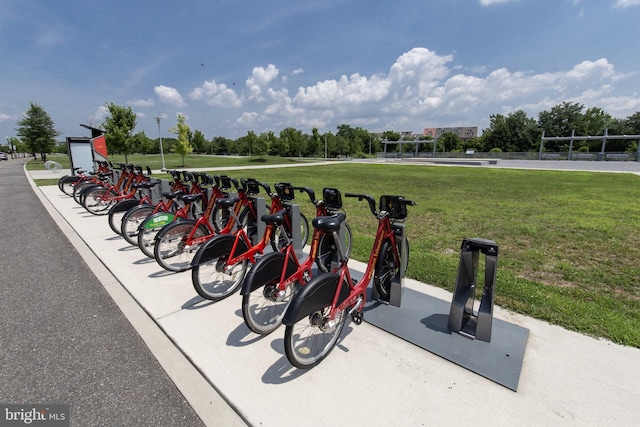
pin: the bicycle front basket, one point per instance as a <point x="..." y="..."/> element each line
<point x="332" y="198"/>
<point x="252" y="187"/>
<point x="394" y="205"/>
<point x="285" y="191"/>
<point x="225" y="182"/>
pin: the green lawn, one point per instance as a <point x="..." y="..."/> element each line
<point x="568" y="240"/>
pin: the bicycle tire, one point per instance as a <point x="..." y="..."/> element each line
<point x="99" y="200"/>
<point x="80" y="188"/>
<point x="169" y="250"/>
<point x="309" y="341"/>
<point x="327" y="251"/>
<point x="131" y="221"/>
<point x="67" y="183"/>
<point x="386" y="267"/>
<point x="262" y="306"/>
<point x="215" y="280"/>
<point x="147" y="232"/>
<point x="278" y="243"/>
<point x="117" y="212"/>
<point x="220" y="217"/>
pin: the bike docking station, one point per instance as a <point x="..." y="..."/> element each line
<point x="462" y="317"/>
<point x="474" y="340"/>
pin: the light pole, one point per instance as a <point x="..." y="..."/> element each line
<point x="161" y="152"/>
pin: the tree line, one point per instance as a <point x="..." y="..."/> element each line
<point x="514" y="132"/>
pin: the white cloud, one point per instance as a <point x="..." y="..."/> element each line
<point x="216" y="94"/>
<point x="260" y="79"/>
<point x="5" y="117"/>
<point x="141" y="102"/>
<point x="421" y="89"/>
<point x="492" y="2"/>
<point x="627" y="3"/>
<point x="297" y="71"/>
<point x="169" y="95"/>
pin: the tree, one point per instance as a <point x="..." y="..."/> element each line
<point x="294" y="140"/>
<point x="315" y="144"/>
<point x="182" y="131"/>
<point x="514" y="132"/>
<point x="118" y="128"/>
<point x="142" y="143"/>
<point x="562" y="119"/>
<point x="264" y="143"/>
<point x="450" y="142"/>
<point x="37" y="131"/>
<point x="200" y="143"/>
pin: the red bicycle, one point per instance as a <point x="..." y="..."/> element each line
<point x="177" y="242"/>
<point x="134" y="217"/>
<point x="221" y="264"/>
<point x="317" y="314"/>
<point x="98" y="200"/>
<point x="271" y="283"/>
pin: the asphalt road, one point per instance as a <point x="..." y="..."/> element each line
<point x="63" y="339"/>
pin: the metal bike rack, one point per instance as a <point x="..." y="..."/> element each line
<point x="397" y="283"/>
<point x="261" y="209"/>
<point x="462" y="317"/>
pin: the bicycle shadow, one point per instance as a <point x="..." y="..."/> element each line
<point x="282" y="372"/>
<point x="242" y="336"/>
<point x="196" y="303"/>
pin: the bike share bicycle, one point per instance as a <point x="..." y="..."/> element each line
<point x="271" y="283"/>
<point x="317" y="314"/>
<point x="177" y="243"/>
<point x="220" y="265"/>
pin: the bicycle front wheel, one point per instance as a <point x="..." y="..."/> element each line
<point x="99" y="201"/>
<point x="327" y="251"/>
<point x="308" y="341"/>
<point x="131" y="222"/>
<point x="171" y="251"/>
<point x="278" y="242"/>
<point x="387" y="267"/>
<point x="215" y="279"/>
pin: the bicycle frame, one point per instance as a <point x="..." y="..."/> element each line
<point x="358" y="295"/>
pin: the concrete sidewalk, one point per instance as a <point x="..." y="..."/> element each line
<point x="372" y="377"/>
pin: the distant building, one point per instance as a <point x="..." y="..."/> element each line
<point x="463" y="133"/>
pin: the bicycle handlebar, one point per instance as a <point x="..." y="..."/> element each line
<point x="372" y="202"/>
<point x="310" y="192"/>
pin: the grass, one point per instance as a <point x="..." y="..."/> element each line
<point x="568" y="240"/>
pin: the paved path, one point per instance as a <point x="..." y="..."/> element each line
<point x="63" y="339"/>
<point x="567" y="378"/>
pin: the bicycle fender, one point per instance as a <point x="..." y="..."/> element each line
<point x="124" y="205"/>
<point x="313" y="296"/>
<point x="217" y="247"/>
<point x="132" y="209"/>
<point x="266" y="270"/>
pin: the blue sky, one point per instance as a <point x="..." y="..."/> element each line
<point x="236" y="65"/>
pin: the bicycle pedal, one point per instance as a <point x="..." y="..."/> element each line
<point x="357" y="317"/>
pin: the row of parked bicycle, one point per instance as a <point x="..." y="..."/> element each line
<point x="209" y="224"/>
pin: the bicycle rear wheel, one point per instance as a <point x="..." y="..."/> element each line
<point x="264" y="308"/>
<point x="170" y="250"/>
<point x="308" y="341"/>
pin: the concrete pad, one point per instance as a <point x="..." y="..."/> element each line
<point x="372" y="377"/>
